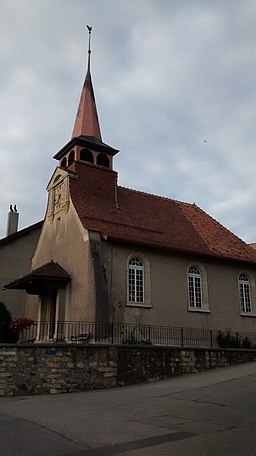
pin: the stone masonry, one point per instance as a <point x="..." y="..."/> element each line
<point x="62" y="368"/>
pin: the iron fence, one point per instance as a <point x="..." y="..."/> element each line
<point x="127" y="333"/>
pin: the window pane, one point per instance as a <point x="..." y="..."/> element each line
<point x="136" y="262"/>
<point x="198" y="291"/>
<point x="191" y="292"/>
<point x="194" y="287"/>
<point x="131" y="285"/>
<point x="245" y="293"/>
<point x="136" y="280"/>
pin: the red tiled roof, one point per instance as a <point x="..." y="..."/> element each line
<point x="127" y="215"/>
<point x="51" y="271"/>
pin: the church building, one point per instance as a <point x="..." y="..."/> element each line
<point x="112" y="254"/>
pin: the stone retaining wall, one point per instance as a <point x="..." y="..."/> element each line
<point x="38" y="369"/>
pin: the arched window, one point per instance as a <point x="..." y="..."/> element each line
<point x="63" y="162"/>
<point x="71" y="157"/>
<point x="195" y="288"/>
<point x="86" y="155"/>
<point x="136" y="280"/>
<point x="245" y="293"/>
<point x="103" y="160"/>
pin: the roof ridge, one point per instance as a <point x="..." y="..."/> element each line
<point x="166" y="198"/>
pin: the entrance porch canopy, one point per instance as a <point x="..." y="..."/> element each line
<point x="43" y="280"/>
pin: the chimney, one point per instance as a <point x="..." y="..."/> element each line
<point x="12" y="221"/>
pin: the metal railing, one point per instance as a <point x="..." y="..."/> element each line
<point x="127" y="333"/>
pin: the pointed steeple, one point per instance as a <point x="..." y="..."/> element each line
<point x="87" y="122"/>
<point x="86" y="145"/>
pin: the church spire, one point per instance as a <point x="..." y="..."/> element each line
<point x="87" y="122"/>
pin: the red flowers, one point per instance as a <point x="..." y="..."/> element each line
<point x="18" y="324"/>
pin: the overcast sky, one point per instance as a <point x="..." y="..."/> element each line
<point x="175" y="89"/>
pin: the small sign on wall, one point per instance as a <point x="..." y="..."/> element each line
<point x="50" y="351"/>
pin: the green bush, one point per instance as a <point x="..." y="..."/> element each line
<point x="228" y="340"/>
<point x="246" y="343"/>
<point x="133" y="341"/>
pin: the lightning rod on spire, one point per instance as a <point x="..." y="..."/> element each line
<point x="89" y="47"/>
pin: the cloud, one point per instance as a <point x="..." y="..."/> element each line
<point x="168" y="75"/>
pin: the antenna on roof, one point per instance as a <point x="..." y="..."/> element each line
<point x="89" y="48"/>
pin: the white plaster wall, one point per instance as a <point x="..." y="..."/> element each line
<point x="65" y="241"/>
<point x="169" y="294"/>
<point x="15" y="261"/>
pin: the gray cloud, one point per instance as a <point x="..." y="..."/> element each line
<point x="168" y="75"/>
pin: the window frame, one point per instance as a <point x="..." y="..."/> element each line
<point x="136" y="283"/>
<point x="244" y="282"/>
<point x="145" y="277"/>
<point x="202" y="276"/>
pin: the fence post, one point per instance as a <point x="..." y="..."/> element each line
<point x="57" y="331"/>
<point x="211" y="338"/>
<point x="112" y="333"/>
<point x="149" y="333"/>
<point x="182" y="337"/>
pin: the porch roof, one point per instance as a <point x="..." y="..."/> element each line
<point x="45" y="279"/>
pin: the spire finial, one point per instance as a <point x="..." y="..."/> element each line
<point x="87" y="122"/>
<point x="89" y="48"/>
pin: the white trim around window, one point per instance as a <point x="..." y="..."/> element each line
<point x="247" y="294"/>
<point x="197" y="288"/>
<point x="138" y="281"/>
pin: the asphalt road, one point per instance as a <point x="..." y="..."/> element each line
<point x="212" y="413"/>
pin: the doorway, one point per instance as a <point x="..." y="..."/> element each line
<point x="47" y="322"/>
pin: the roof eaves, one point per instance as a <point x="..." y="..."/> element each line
<point x="21" y="233"/>
<point x="36" y="274"/>
<point x="210" y="255"/>
<point x="86" y="141"/>
<point x="63" y="150"/>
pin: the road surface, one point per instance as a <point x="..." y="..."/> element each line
<point x="206" y="414"/>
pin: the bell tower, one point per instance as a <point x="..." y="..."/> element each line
<point x="86" y="143"/>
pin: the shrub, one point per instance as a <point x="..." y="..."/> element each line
<point x="228" y="340"/>
<point x="246" y="343"/>
<point x="133" y="341"/>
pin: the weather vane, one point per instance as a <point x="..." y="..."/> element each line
<point x="89" y="49"/>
